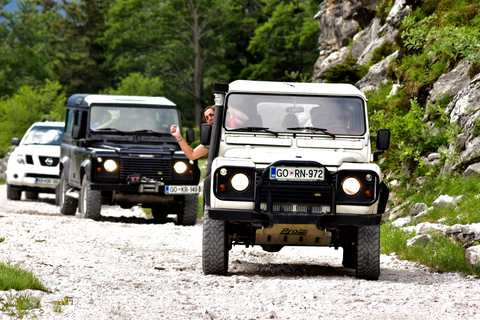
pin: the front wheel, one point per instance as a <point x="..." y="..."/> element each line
<point x="13" y="193"/>
<point x="215" y="246"/>
<point x="68" y="205"/>
<point x="187" y="214"/>
<point x="368" y="253"/>
<point x="90" y="201"/>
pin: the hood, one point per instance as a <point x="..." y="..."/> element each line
<point x="267" y="155"/>
<point x="38" y="149"/>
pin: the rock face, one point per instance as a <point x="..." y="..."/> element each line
<point x="351" y="28"/>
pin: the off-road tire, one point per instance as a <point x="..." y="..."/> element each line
<point x="368" y="252"/>
<point x="215" y="247"/>
<point x="187" y="213"/>
<point x="68" y="205"/>
<point x="13" y="193"/>
<point x="31" y="195"/>
<point x="90" y="201"/>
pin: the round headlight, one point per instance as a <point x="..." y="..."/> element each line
<point x="240" y="181"/>
<point x="110" y="165"/>
<point x="180" y="167"/>
<point x="351" y="186"/>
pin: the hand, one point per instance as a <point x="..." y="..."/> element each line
<point x="175" y="132"/>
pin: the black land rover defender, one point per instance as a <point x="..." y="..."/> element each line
<point x="117" y="150"/>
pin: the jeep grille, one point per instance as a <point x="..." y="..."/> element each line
<point x="153" y="168"/>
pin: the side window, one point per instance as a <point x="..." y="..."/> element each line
<point x="69" y="121"/>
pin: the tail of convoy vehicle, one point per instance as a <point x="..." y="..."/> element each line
<point x="291" y="165"/>
<point x="117" y="150"/>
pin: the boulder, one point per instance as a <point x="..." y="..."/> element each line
<point x="377" y="74"/>
<point x="472" y="256"/>
<point x="417" y="208"/>
<point x="422" y="240"/>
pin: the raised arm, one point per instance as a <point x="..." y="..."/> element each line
<point x="191" y="154"/>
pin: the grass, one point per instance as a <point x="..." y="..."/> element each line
<point x="445" y="254"/>
<point x="13" y="277"/>
<point x="441" y="253"/>
<point x="20" y="304"/>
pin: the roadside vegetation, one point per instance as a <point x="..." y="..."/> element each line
<point x="432" y="40"/>
<point x="18" y="303"/>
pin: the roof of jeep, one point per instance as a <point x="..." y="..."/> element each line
<point x="335" y="89"/>
<point x="88" y="99"/>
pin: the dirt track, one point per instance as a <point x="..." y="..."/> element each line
<point x="124" y="267"/>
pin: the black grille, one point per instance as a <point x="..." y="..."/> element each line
<point x="29" y="159"/>
<point x="49" y="161"/>
<point x="152" y="168"/>
<point x="296" y="192"/>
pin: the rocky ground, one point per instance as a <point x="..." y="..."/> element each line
<point x="124" y="267"/>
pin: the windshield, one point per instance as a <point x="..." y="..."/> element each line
<point x="132" y="119"/>
<point x="302" y="114"/>
<point x="44" y="135"/>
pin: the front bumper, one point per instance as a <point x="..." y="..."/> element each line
<point x="321" y="220"/>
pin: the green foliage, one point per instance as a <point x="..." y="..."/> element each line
<point x="136" y="84"/>
<point x="13" y="277"/>
<point x="285" y="42"/>
<point x="441" y="253"/>
<point x="57" y="305"/>
<point x="347" y="72"/>
<point x="386" y="49"/>
<point x="27" y="106"/>
<point x="20" y="305"/>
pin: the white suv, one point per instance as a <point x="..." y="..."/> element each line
<point x="33" y="165"/>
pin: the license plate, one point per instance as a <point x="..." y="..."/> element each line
<point x="182" y="189"/>
<point x="297" y="174"/>
<point x="47" y="181"/>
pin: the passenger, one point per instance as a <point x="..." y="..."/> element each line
<point x="290" y="121"/>
<point x="200" y="150"/>
<point x="103" y="117"/>
<point x="341" y="121"/>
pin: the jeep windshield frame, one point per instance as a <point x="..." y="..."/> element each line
<point x="295" y="114"/>
<point x="132" y="119"/>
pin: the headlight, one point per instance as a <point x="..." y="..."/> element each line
<point x="180" y="167"/>
<point x="351" y="186"/>
<point x="240" y="181"/>
<point x="110" y="165"/>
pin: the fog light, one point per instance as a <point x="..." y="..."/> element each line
<point x="110" y="165"/>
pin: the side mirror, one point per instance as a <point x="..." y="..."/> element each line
<point x="15" y="141"/>
<point x="190" y="135"/>
<point x="205" y="133"/>
<point x="383" y="139"/>
<point x="383" y="142"/>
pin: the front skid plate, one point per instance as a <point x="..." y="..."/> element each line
<point x="293" y="234"/>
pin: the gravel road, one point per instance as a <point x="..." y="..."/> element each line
<point x="127" y="268"/>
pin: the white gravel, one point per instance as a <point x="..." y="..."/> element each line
<point x="126" y="268"/>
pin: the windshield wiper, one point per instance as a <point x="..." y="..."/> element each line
<point x="151" y="131"/>
<point x="253" y="129"/>
<point x="313" y="130"/>
<point x="111" y="130"/>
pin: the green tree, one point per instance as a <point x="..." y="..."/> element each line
<point x="138" y="85"/>
<point x="29" y="105"/>
<point x="79" y="54"/>
<point x="171" y="39"/>
<point x="286" y="43"/>
<point x="25" y="47"/>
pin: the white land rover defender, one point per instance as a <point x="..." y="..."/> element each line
<point x="290" y="164"/>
